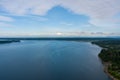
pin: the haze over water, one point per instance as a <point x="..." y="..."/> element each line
<point x="50" y="60"/>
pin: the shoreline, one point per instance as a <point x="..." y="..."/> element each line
<point x="105" y="66"/>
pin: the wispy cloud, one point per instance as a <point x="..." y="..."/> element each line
<point x="3" y="24"/>
<point x="66" y="24"/>
<point x="38" y="18"/>
<point x="5" y="18"/>
<point x="5" y="21"/>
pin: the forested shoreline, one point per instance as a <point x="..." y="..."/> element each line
<point x="110" y="55"/>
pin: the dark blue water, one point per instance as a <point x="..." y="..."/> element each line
<point x="50" y="60"/>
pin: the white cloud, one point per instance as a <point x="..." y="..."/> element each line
<point x="5" y="18"/>
<point x="66" y="24"/>
<point x="21" y="7"/>
<point x="97" y="10"/>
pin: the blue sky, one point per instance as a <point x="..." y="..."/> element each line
<point x="59" y="18"/>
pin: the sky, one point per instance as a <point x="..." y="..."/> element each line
<point x="46" y="18"/>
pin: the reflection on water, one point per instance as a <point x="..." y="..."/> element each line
<point x="50" y="60"/>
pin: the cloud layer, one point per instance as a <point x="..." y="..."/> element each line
<point x="99" y="11"/>
<point x="93" y="8"/>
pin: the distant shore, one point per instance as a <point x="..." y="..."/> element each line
<point x="8" y="41"/>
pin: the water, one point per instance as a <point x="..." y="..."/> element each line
<point x="50" y="60"/>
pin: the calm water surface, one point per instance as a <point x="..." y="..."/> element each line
<point x="50" y="60"/>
